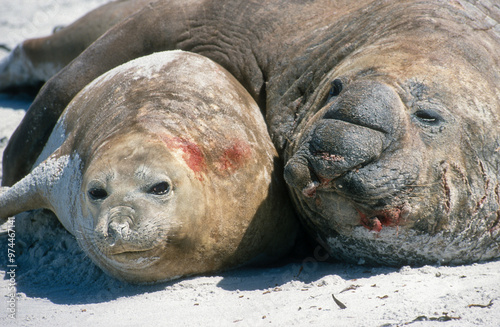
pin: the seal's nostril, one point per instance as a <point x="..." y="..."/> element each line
<point x="310" y="189"/>
<point x="120" y="223"/>
<point x="118" y="230"/>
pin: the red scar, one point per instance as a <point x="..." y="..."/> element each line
<point x="379" y="219"/>
<point x="234" y="156"/>
<point x="192" y="154"/>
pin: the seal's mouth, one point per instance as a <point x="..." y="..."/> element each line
<point x="378" y="219"/>
<point x="134" y="258"/>
<point x="123" y="250"/>
<point x="131" y="255"/>
<point x="121" y="255"/>
<point x="120" y="247"/>
<point x="365" y="191"/>
<point x="330" y="209"/>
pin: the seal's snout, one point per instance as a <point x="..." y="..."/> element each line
<point x="120" y="228"/>
<point x="117" y="224"/>
<point x="298" y="174"/>
<point x="337" y="147"/>
<point x="351" y="132"/>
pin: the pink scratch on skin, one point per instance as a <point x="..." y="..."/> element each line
<point x="230" y="159"/>
<point x="192" y="154"/>
<point x="377" y="220"/>
<point x="234" y="156"/>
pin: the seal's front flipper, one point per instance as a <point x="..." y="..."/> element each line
<point x="3" y="204"/>
<point x="46" y="187"/>
<point x="17" y="199"/>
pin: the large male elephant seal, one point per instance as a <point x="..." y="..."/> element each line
<point x="162" y="168"/>
<point x="386" y="113"/>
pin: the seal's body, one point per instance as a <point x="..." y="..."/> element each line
<point x="162" y="168"/>
<point x="386" y="113"/>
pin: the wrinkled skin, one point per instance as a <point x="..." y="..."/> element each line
<point x="382" y="164"/>
<point x="386" y="114"/>
<point x="163" y="168"/>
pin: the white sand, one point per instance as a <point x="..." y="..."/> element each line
<point x="57" y="285"/>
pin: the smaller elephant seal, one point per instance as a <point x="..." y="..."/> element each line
<point x="162" y="168"/>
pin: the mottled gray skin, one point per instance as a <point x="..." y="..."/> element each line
<point x="385" y="113"/>
<point x="163" y="168"/>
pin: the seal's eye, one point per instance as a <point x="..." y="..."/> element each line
<point x="98" y="194"/>
<point x="160" y="188"/>
<point x="336" y="88"/>
<point x="428" y="117"/>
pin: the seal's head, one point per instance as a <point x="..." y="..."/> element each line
<point x="399" y="163"/>
<point x="181" y="179"/>
<point x="143" y="210"/>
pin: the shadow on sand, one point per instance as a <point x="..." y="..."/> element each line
<point x="51" y="265"/>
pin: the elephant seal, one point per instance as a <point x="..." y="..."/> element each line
<point x="162" y="168"/>
<point x="386" y="114"/>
